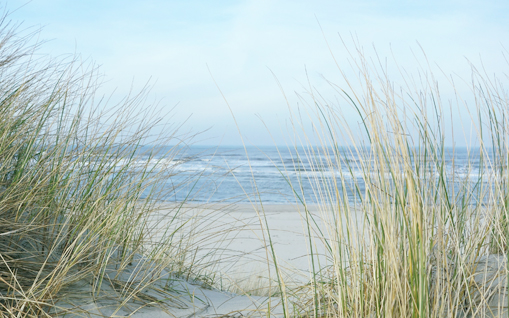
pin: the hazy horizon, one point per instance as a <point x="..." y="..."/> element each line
<point x="248" y="46"/>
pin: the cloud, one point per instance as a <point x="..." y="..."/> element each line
<point x="242" y="42"/>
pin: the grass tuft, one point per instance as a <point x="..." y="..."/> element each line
<point x="405" y="232"/>
<point x="78" y="191"/>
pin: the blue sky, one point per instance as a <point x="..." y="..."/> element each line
<point x="171" y="43"/>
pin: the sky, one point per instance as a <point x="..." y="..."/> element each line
<point x="193" y="52"/>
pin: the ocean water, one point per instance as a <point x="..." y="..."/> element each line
<point x="235" y="174"/>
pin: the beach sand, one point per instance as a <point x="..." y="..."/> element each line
<point x="230" y="243"/>
<point x="224" y="239"/>
<point x="232" y="239"/>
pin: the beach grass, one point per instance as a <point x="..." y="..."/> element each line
<point x="416" y="237"/>
<point x="78" y="190"/>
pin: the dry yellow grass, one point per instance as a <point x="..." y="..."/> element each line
<point x="428" y="242"/>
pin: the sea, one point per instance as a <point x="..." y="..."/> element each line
<point x="282" y="175"/>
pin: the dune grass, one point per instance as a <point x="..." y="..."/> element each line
<point x="418" y="238"/>
<point x="77" y="188"/>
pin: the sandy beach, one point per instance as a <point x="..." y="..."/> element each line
<point x="237" y="234"/>
<point x="228" y="241"/>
